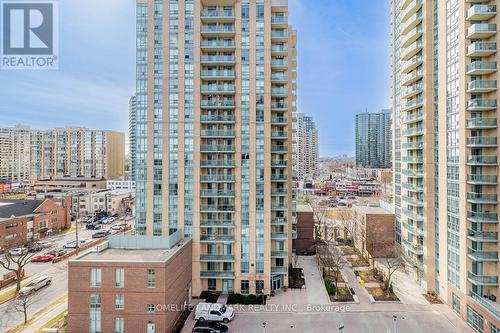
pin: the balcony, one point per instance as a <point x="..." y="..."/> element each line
<point x="413" y="159"/>
<point x="412" y="229"/>
<point x="482" y="123"/>
<point x="412" y="50"/>
<point x="279" y="164"/>
<point x="483" y="218"/>
<point x="279" y="135"/>
<point x="487" y="304"/>
<point x="279" y="149"/>
<point x="481" y="67"/>
<point x="217" y="149"/>
<point x="215" y="257"/>
<point x="482" y="160"/>
<point x="218" y="163"/>
<point x="482" y="280"/>
<point x="218" y="45"/>
<point x="279" y="221"/>
<point x="216" y="239"/>
<point x="217" y="16"/>
<point x="413" y="215"/>
<point x="279" y="178"/>
<point x="279" y="270"/>
<point x="412" y="64"/>
<point x="279" y="49"/>
<point x="279" y="35"/>
<point x="482" y="236"/>
<point x="279" y="235"/>
<point x="412" y="22"/>
<point x="413" y="104"/>
<point x="218" y="59"/>
<point x="482" y="86"/>
<point x="481" y="30"/>
<point x="216" y="193"/>
<point x="410" y="9"/>
<point x="279" y="21"/>
<point x="279" y="106"/>
<point x="481" y="12"/>
<point x="482" y="49"/>
<point x="482" y="141"/>
<point x="279" y="92"/>
<point x="217" y="104"/>
<point x="217" y="223"/>
<point x="481" y="104"/>
<point x="413" y="247"/>
<point x="279" y="254"/>
<point x="412" y="262"/>
<point x="218" y="89"/>
<point x="413" y="188"/>
<point x="217" y="30"/>
<point x="279" y="192"/>
<point x="217" y="274"/>
<point x="416" y="145"/>
<point x="217" y="118"/>
<point x="279" y="77"/>
<point x="279" y="207"/>
<point x="218" y="74"/>
<point x="279" y="63"/>
<point x="412" y="36"/>
<point x="217" y="178"/>
<point x="414" y="202"/>
<point x="482" y="198"/>
<point x="476" y="179"/>
<point x="481" y="256"/>
<point x="282" y="120"/>
<point x="413" y="77"/>
<point x="218" y="133"/>
<point x="413" y="90"/>
<point x="413" y="131"/>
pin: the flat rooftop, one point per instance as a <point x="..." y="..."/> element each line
<point x="373" y="210"/>
<point x="304" y="208"/>
<point x="132" y="255"/>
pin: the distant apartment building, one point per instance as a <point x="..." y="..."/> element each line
<point x="22" y="221"/>
<point x="130" y="284"/>
<point x="120" y="185"/>
<point x="77" y="152"/>
<point x="373" y="139"/>
<point x="305" y="147"/>
<point x="445" y="102"/>
<point x="132" y="130"/>
<point x="14" y="154"/>
<point x="214" y="140"/>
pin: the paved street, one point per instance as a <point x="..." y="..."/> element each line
<point x="59" y="274"/>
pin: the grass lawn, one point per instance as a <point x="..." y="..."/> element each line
<point x="53" y="321"/>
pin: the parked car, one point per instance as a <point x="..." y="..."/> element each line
<point x="205" y="326"/>
<point x="84" y="219"/>
<point x="117" y="227"/>
<point x="92" y="226"/>
<point x="57" y="253"/>
<point x="101" y="234"/>
<point x="214" y="312"/>
<point x="36" y="284"/>
<point x="18" y="251"/>
<point x="45" y="244"/>
<point x="34" y="248"/>
<point x="72" y="244"/>
<point x="43" y="258"/>
<point x="90" y="220"/>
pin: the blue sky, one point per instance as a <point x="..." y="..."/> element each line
<point x="343" y="57"/>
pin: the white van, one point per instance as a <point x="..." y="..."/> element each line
<point x="214" y="312"/>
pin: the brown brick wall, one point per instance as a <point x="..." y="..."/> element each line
<point x="379" y="234"/>
<point x="305" y="233"/>
<point x="173" y="281"/>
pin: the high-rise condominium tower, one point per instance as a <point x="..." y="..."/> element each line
<point x="373" y="139"/>
<point x="14" y="154"/>
<point x="215" y="93"/>
<point x="132" y="121"/>
<point x="446" y="151"/>
<point x="306" y="146"/>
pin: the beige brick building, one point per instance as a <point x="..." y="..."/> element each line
<point x="214" y="102"/>
<point x="446" y="151"/>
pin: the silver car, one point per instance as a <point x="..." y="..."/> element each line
<point x="36" y="284"/>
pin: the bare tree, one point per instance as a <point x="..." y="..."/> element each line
<point x="320" y="214"/>
<point x="345" y="219"/>
<point x="333" y="260"/>
<point x="23" y="302"/>
<point x="16" y="264"/>
<point x="392" y="263"/>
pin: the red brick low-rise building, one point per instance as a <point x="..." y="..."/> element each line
<point x="130" y="284"/>
<point x="303" y="243"/>
<point x="22" y="221"/>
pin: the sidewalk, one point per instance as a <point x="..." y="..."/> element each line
<point x="315" y="289"/>
<point x="46" y="317"/>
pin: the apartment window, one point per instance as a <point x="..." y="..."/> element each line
<point x="120" y="278"/>
<point x="151" y="280"/>
<point x="212" y="284"/>
<point x="245" y="286"/>
<point x="475" y="320"/>
<point x="119" y="325"/>
<point x="95" y="277"/>
<point x="150" y="308"/>
<point x="259" y="287"/>
<point x="119" y="302"/>
<point x="95" y="313"/>
<point x="456" y="304"/>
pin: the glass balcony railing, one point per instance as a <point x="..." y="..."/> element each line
<point x="279" y="177"/>
<point x="279" y="106"/>
<point x="216" y="238"/>
<point x="482" y="141"/>
<point x="279" y="163"/>
<point x="412" y="63"/>
<point x="413" y="173"/>
<point x="412" y="159"/>
<point x="416" y="188"/>
<point x="482" y="160"/>
<point x="416" y="202"/>
<point x="482" y="280"/>
<point x="418" y="249"/>
<point x="279" y="270"/>
<point x="217" y="148"/>
<point x="279" y="63"/>
<point x="481" y="104"/>
<point x="478" y="48"/>
<point x="279" y="235"/>
<point x="279" y="77"/>
<point x="482" y="217"/>
<point x="279" y="34"/>
<point x="217" y="178"/>
<point x="413" y="229"/>
<point x="279" y="191"/>
<point x="218" y="59"/>
<point x="486" y="303"/>
<point x="413" y="104"/>
<point x="217" y="29"/>
<point x="216" y="208"/>
<point x="217" y="14"/>
<point x="482" y="67"/>
<point x="217" y="103"/>
<point x="212" y="274"/>
<point x="279" y="20"/>
<point x="477" y="12"/>
<point x="217" y="118"/>
<point x="478" y="30"/>
<point x="482" y="198"/>
<point x="218" y="73"/>
<point x="279" y="91"/>
<point x="279" y="48"/>
<point x="414" y="131"/>
<point x="279" y="221"/>
<point x="214" y="88"/>
<point x="480" y="179"/>
<point x="282" y="149"/>
<point x="482" y="85"/>
<point x="413" y="145"/>
<point x="218" y="133"/>
<point x="217" y="163"/>
<point x="217" y="44"/>
<point x="216" y="193"/>
<point x="279" y="135"/>
<point x="482" y="236"/>
<point x="279" y="254"/>
<point x="216" y="257"/>
<point x="413" y="215"/>
<point x="481" y="255"/>
<point x="281" y="120"/>
<point x="482" y="123"/>
<point x="217" y="223"/>
<point x="412" y="77"/>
